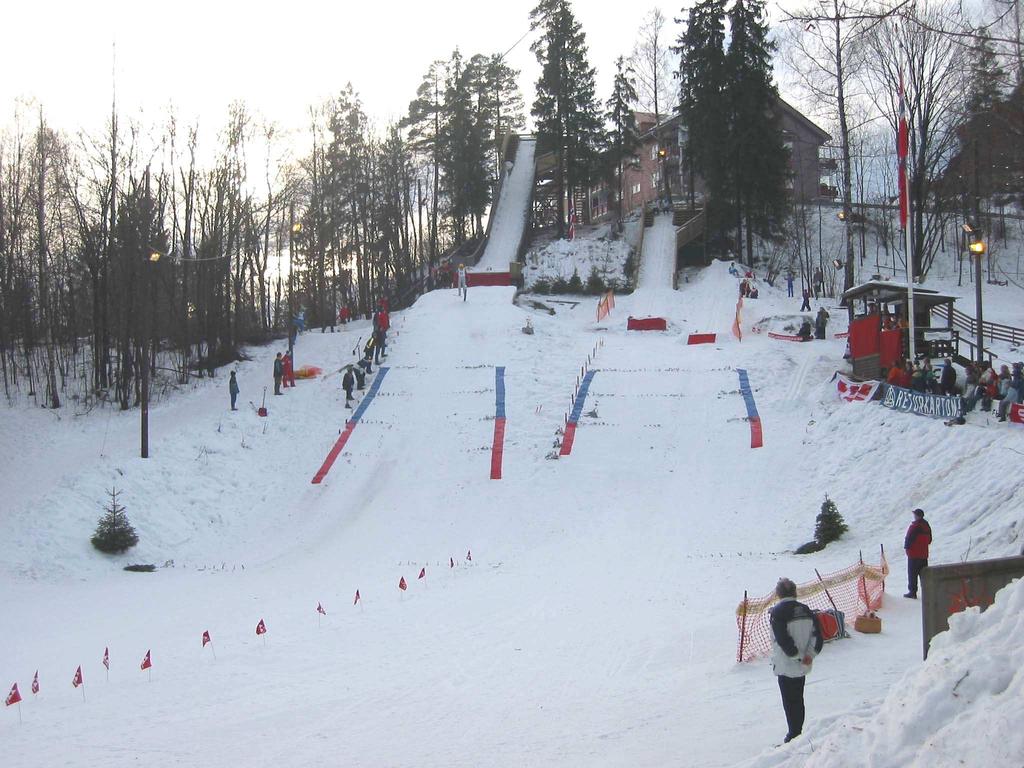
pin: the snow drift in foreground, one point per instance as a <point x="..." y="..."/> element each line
<point x="962" y="706"/>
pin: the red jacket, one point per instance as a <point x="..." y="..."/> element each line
<point x="919" y="536"/>
<point x="383" y="321"/>
<point x="287" y="360"/>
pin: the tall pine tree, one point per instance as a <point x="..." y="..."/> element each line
<point x="759" y="158"/>
<point x="704" y="110"/>
<point x="566" y="103"/>
<point x="621" y="139"/>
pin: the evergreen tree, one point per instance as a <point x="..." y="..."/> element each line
<point x="114" y="534"/>
<point x="566" y="106"/>
<point x="760" y="160"/>
<point x="830" y="525"/>
<point x="424" y="125"/>
<point x="704" y="109"/>
<point x="621" y="139"/>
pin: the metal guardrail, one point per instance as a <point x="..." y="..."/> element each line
<point x="991" y="331"/>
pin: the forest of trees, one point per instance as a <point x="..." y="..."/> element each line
<point x="160" y="239"/>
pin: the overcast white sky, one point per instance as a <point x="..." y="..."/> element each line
<point x="279" y="58"/>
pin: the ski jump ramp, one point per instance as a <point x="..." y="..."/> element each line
<point x="510" y="214"/>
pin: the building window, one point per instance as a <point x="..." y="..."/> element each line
<point x="636" y="189"/>
<point x="654" y="152"/>
<point x="655" y="178"/>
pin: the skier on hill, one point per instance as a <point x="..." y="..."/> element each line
<point x="806" y="305"/>
<point x="233" y="390"/>
<point x="919" y="536"/>
<point x="463" y="289"/>
<point x="347" y="381"/>
<point x="796" y="640"/>
<point x="278" y="373"/>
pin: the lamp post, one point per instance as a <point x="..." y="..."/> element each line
<point x="152" y="257"/>
<point x="977" y="248"/>
<point x="295" y="227"/>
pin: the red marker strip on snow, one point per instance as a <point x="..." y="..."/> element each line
<point x="498" y="446"/>
<point x="350" y="426"/>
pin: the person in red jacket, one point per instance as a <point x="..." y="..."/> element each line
<point x="919" y="536"/>
<point x="289" y="371"/>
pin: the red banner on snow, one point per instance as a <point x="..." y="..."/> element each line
<point x="1017" y="413"/>
<point x="106" y="658"/>
<point x="206" y="637"/>
<point x="423" y="573"/>
<point x="147" y="661"/>
<point x="646" y="324"/>
<point x="261" y="628"/>
<point x="35" y="682"/>
<point x="702" y="338"/>
<point x="13" y="697"/>
<point x="488" y="278"/>
<point x="77" y="679"/>
<point x="855" y="391"/>
<point x="402" y="585"/>
<point x="320" y="610"/>
<point x="357" y="598"/>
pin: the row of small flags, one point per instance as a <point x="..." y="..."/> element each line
<point x="14" y="697"/>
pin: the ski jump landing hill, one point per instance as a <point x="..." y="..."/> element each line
<point x="509" y="216"/>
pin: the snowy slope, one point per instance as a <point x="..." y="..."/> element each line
<point x="510" y="217"/>
<point x="595" y="623"/>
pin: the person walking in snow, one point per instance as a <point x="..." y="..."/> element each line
<point x="463" y="289"/>
<point x="806" y="305"/>
<point x="233" y="390"/>
<point x="789" y="285"/>
<point x="820" y="321"/>
<point x="378" y="345"/>
<point x="278" y="373"/>
<point x="288" y="370"/>
<point x="796" y="640"/>
<point x="915" y="544"/>
<point x="347" y="381"/>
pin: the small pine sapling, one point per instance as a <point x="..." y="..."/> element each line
<point x="575" y="284"/>
<point x="114" y="534"/>
<point x="830" y="524"/>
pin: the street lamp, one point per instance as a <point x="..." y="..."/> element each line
<point x="294" y="231"/>
<point x="152" y="258"/>
<point x="977" y="248"/>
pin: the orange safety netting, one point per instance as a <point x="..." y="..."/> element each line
<point x="854" y="590"/>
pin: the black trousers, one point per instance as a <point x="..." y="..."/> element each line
<point x="914" y="567"/>
<point x="792" y="690"/>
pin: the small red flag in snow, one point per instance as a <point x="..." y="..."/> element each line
<point x="357" y="598"/>
<point x="77" y="679"/>
<point x="13" y="697"/>
<point x="469" y="556"/>
<point x="147" y="662"/>
<point x="320" y="609"/>
<point x="451" y="562"/>
<point x="261" y="628"/>
<point x="402" y="585"/>
<point x="35" y="682"/>
<point x="423" y="573"/>
<point x="206" y="637"/>
<point x="106" y="658"/>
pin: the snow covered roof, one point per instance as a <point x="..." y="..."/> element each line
<point x="888" y="290"/>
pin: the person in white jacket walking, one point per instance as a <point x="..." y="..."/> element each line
<point x="463" y="289"/>
<point x="796" y="640"/>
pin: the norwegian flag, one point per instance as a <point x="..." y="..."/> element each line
<point x="423" y="573"/>
<point x="855" y="391"/>
<point x="13" y="697"/>
<point x="206" y="637"/>
<point x="77" y="679"/>
<point x="357" y="598"/>
<point x="902" y="150"/>
<point x="147" y="662"/>
<point x="106" y="658"/>
<point x="261" y="628"/>
<point x="402" y="585"/>
<point x="35" y="682"/>
<point x="451" y="562"/>
<point x="469" y="555"/>
<point x="320" y="610"/>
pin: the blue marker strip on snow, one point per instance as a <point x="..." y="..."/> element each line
<point x="499" y="392"/>
<point x="756" y="435"/>
<point x="368" y="398"/>
<point x="577" y="408"/>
